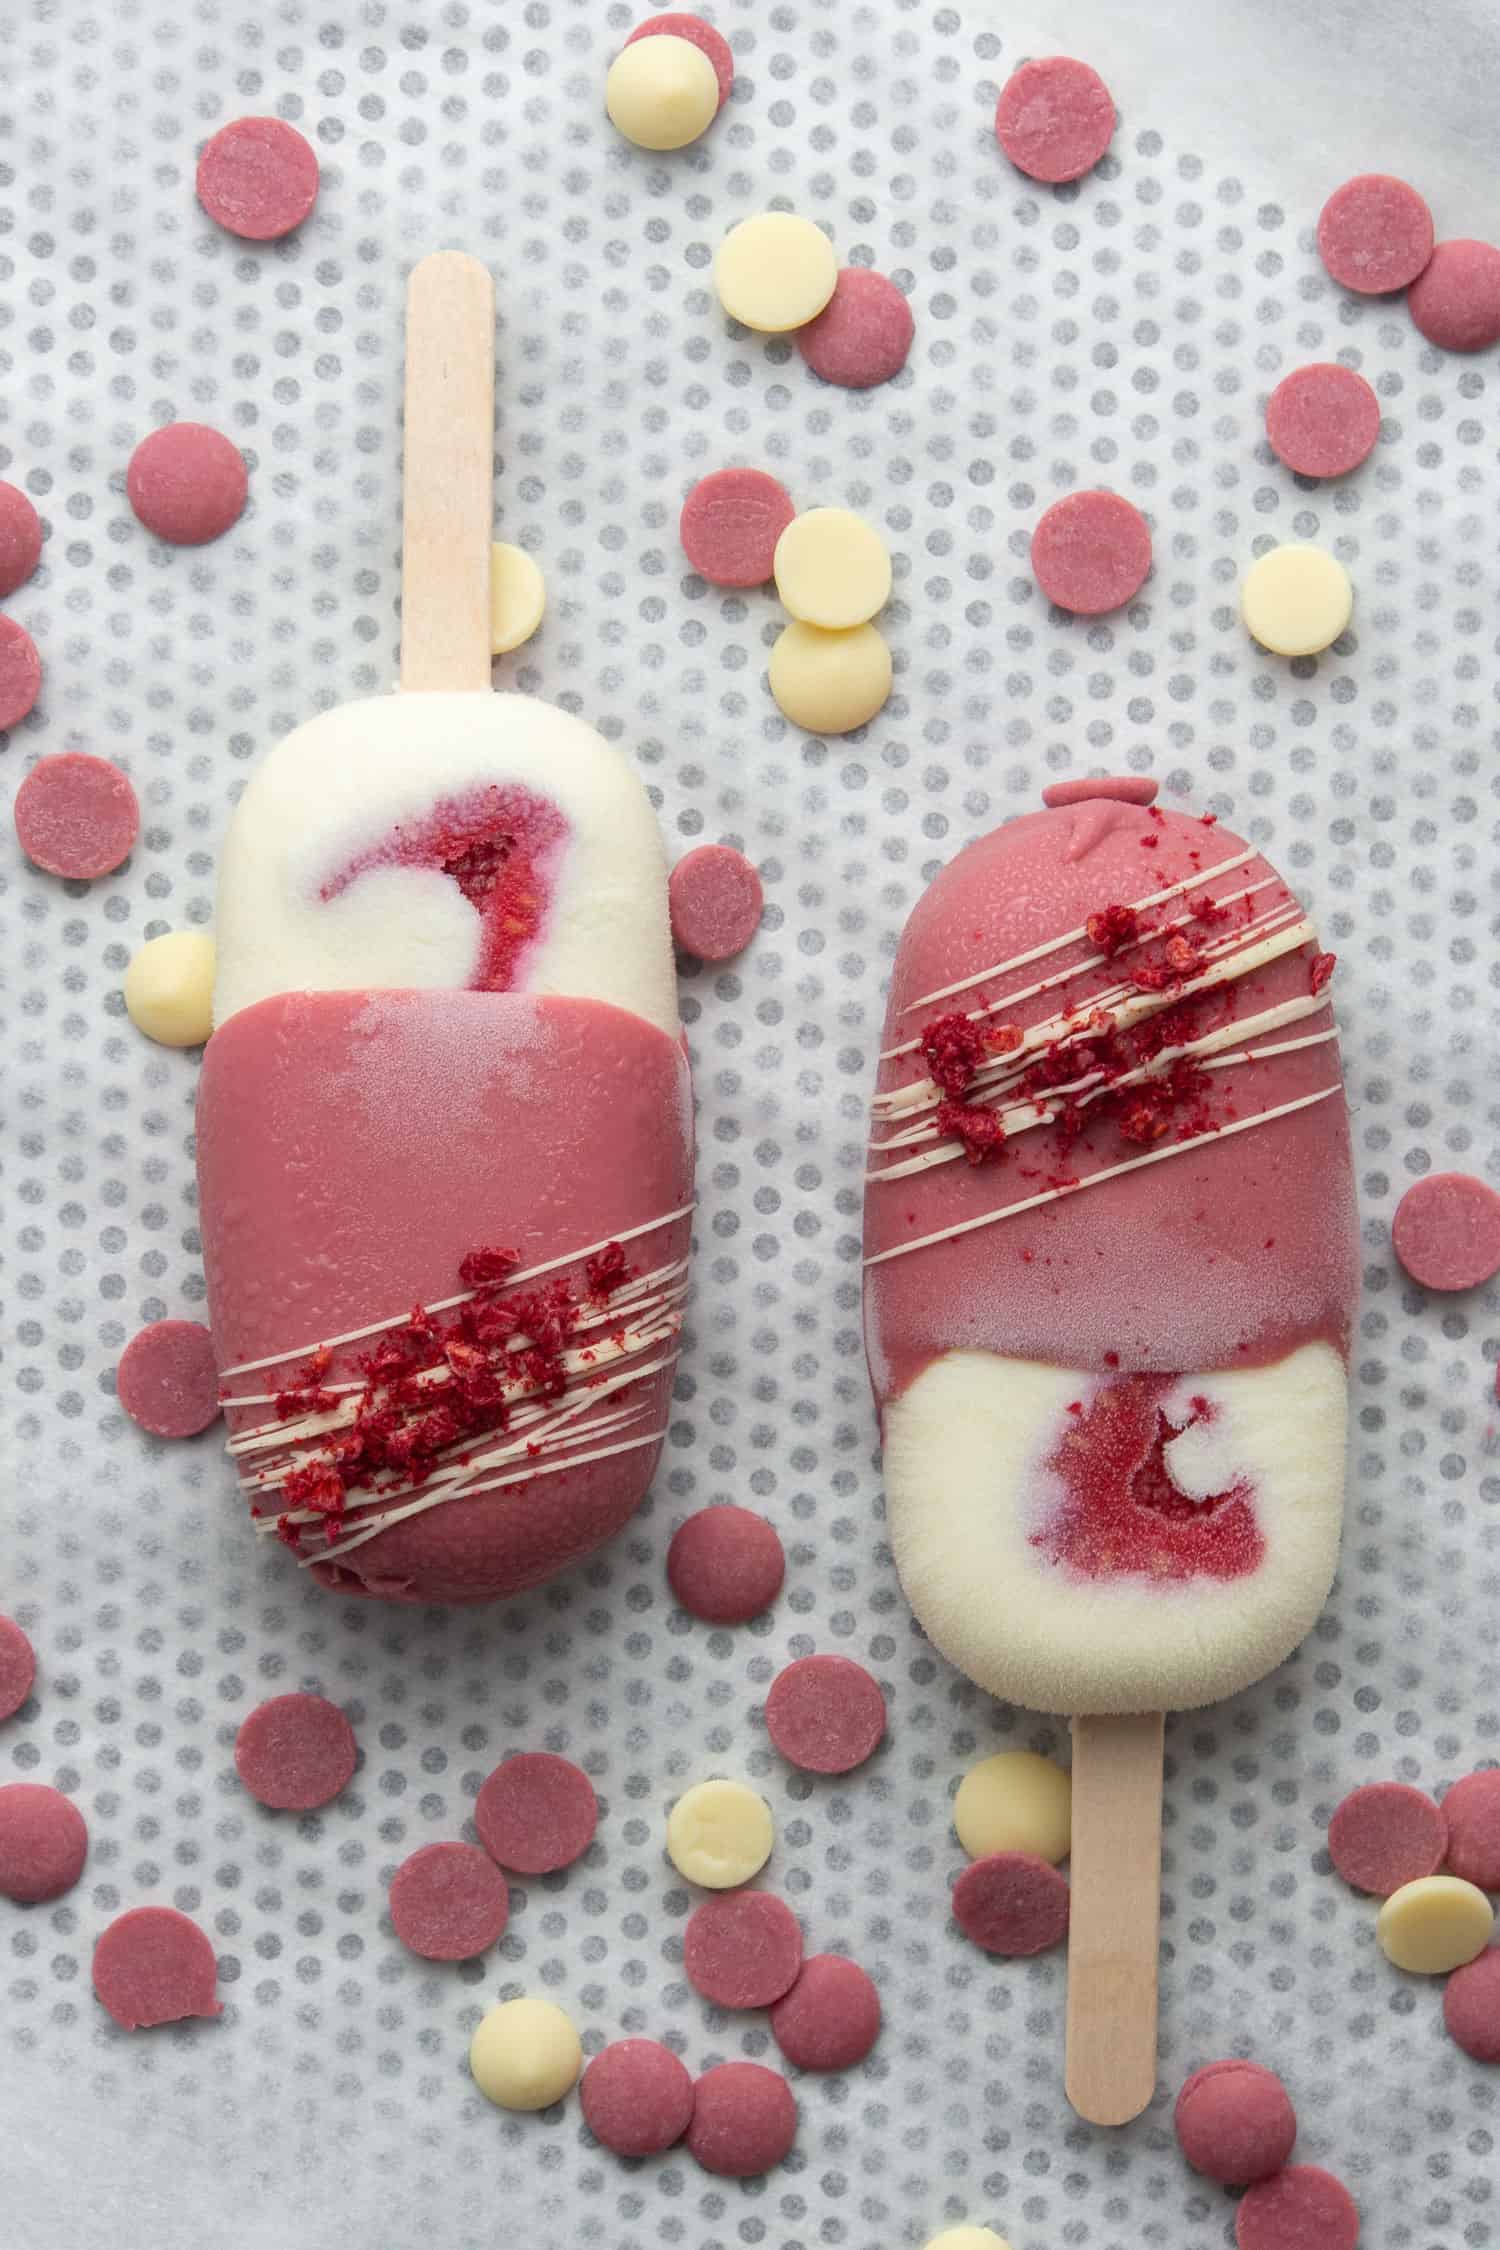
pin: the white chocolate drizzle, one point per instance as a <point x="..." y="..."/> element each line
<point x="1097" y="1179"/>
<point x="541" y="1436"/>
<point x="1078" y="936"/>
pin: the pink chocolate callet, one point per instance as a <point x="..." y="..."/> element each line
<point x="296" y="1752"/>
<point x="20" y="676"/>
<point x="1455" y="300"/>
<point x="825" y="1714"/>
<point x="716" y="902"/>
<point x="1472" y="1811"/>
<point x="1012" y="1903"/>
<point x="44" y="1841"/>
<point x="167" y="1381"/>
<point x="258" y="178"/>
<point x="1090" y="553"/>
<point x="637" y="2097"/>
<point x="699" y="34"/>
<point x="153" y="1966"/>
<point x="449" y="1902"/>
<point x="862" y="335"/>
<point x="1054" y="119"/>
<point x="742" y="1950"/>
<point x="744" y="2120"/>
<point x="730" y="523"/>
<point x="1303" y="2208"/>
<point x="1386" y="1834"/>
<point x="1104" y="788"/>
<point x="831" y="2017"/>
<point x="77" y="816"/>
<point x="17" y="1667"/>
<point x="1471" y="2007"/>
<point x="20" y="539"/>
<point x="1235" y="2123"/>
<point x="1446" y="1231"/>
<point x="1375" y="234"/>
<point x="187" y="483"/>
<point x="536" y="1813"/>
<point x="1323" y="420"/>
<point x="726" y="1565"/>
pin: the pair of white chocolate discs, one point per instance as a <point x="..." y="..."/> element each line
<point x="830" y="670"/>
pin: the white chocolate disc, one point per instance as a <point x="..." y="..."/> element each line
<point x="661" y="92"/>
<point x="518" y="596"/>
<point x="775" y="272"/>
<point x="832" y="569"/>
<point x="830" y="683"/>
<point x="1296" y="600"/>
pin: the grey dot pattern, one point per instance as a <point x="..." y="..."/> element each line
<point x="1124" y="331"/>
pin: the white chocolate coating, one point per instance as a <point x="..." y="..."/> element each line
<point x="342" y="783"/>
<point x="965" y="1448"/>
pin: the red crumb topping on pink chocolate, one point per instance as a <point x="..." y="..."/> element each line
<point x="501" y="845"/>
<point x="1120" y="1511"/>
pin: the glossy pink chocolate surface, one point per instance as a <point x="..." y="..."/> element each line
<point x="354" y="1148"/>
<point x="1230" y="1252"/>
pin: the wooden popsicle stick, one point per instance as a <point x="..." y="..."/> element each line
<point x="1115" y="1922"/>
<point x="448" y="474"/>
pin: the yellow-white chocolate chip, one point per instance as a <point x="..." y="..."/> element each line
<point x="1434" y="1925"/>
<point x="518" y="591"/>
<point x="169" y="988"/>
<point x="968" y="2238"/>
<point x="832" y="569"/>
<point x="1296" y="600"/>
<point x="775" y="272"/>
<point x="1015" y="1802"/>
<point x="830" y="682"/>
<point x="525" y="2054"/>
<point x="661" y="92"/>
<point x="719" y="1834"/>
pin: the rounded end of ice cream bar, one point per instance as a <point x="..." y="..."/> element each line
<point x="1106" y="788"/>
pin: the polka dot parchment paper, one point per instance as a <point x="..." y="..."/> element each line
<point x="1125" y="332"/>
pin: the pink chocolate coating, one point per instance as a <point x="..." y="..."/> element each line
<point x="1232" y="1254"/>
<point x="355" y="1147"/>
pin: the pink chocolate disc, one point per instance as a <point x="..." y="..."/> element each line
<point x="637" y="2097"/>
<point x="1446" y="1231"/>
<point x="449" y="1902"/>
<point x="17" y="1667"/>
<point x="716" y="902"/>
<point x="258" y="178"/>
<point x="1375" y="234"/>
<point x="296" y="1752"/>
<point x="825" y="1714"/>
<point x="167" y="1381"/>
<point x="20" y="539"/>
<point x="1090" y="552"/>
<point x="698" y="34"/>
<point x="44" y="1842"/>
<point x="1323" y="420"/>
<point x="536" y="1813"/>
<point x="1012" y="1903"/>
<point x="1455" y="300"/>
<point x="862" y="335"/>
<point x="155" y="1966"/>
<point x="187" y="483"/>
<point x="1385" y="1835"/>
<point x="1111" y="788"/>
<point x="725" y="1565"/>
<point x="20" y="676"/>
<point x="742" y="1950"/>
<point x="1054" y="119"/>
<point x="1304" y="2208"/>
<point x="730" y="523"/>
<point x="744" y="2120"/>
<point x="831" y="2017"/>
<point x="1471" y="2007"/>
<point x="1472" y="1811"/>
<point x="77" y="816"/>
<point x="1235" y="2123"/>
